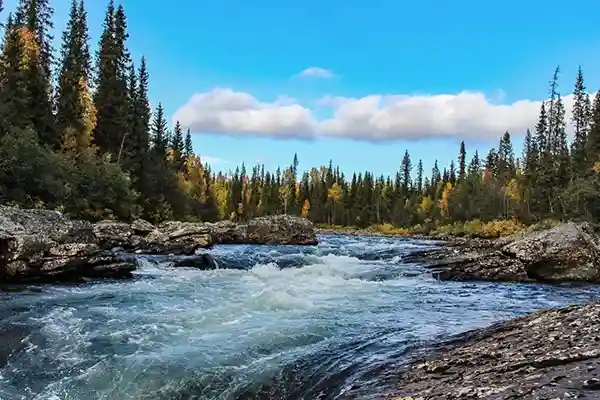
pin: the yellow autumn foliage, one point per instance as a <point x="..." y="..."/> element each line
<point x="513" y="190"/>
<point x="29" y="45"/>
<point x="426" y="205"/>
<point x="335" y="193"/>
<point x="305" y="208"/>
<point x="444" y="201"/>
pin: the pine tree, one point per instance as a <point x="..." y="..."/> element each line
<point x="581" y="122"/>
<point x="33" y="22"/>
<point x="462" y="159"/>
<point x="188" y="148"/>
<point x="505" y="159"/>
<point x="14" y="94"/>
<point x="74" y="118"/>
<point x="561" y="146"/>
<point x="159" y="132"/>
<point x="36" y="16"/>
<point x="111" y="97"/>
<point x="406" y="171"/>
<point x="177" y="145"/>
<point x="420" y="177"/>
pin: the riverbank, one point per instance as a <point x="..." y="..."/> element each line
<point x="545" y="355"/>
<point x="474" y="230"/>
<point x="47" y="246"/>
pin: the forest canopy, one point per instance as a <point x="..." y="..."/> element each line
<point x="77" y="134"/>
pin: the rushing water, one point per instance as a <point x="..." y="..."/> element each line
<point x="332" y="321"/>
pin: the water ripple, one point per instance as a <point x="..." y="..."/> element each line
<point x="285" y="322"/>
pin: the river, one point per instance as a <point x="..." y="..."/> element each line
<point x="334" y="321"/>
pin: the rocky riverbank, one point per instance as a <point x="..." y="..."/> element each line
<point x="567" y="253"/>
<point x="552" y="354"/>
<point x="42" y="245"/>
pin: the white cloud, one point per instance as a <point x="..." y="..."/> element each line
<point x="374" y="117"/>
<point x="231" y="112"/>
<point x="316" y="72"/>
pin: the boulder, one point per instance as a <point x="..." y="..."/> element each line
<point x="552" y="354"/>
<point x="176" y="237"/>
<point x="229" y="232"/>
<point x="46" y="245"/>
<point x="566" y="253"/>
<point x="281" y="229"/>
<point x="40" y="246"/>
<point x="142" y="227"/>
<point x="112" y="233"/>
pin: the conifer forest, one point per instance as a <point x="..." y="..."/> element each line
<point x="77" y="134"/>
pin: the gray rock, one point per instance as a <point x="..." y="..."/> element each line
<point x="40" y="245"/>
<point x="566" y="253"/>
<point x="548" y="354"/>
<point x="142" y="227"/>
<point x="281" y="229"/>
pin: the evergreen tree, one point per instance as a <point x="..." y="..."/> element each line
<point x="406" y="171"/>
<point x="177" y="145"/>
<point x="74" y="114"/>
<point x="111" y="97"/>
<point x="593" y="142"/>
<point x="33" y="22"/>
<point x="581" y="122"/>
<point x="188" y="148"/>
<point x="462" y="159"/>
<point x="14" y="94"/>
<point x="420" y="177"/>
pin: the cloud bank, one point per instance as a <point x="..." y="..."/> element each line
<point x="377" y="117"/>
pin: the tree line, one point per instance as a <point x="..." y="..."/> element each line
<point x="77" y="134"/>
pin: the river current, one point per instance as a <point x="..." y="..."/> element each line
<point x="333" y="321"/>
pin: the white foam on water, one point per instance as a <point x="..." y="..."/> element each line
<point x="227" y="328"/>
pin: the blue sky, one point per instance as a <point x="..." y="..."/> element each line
<point x="397" y="73"/>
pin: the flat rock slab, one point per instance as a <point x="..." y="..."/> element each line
<point x="552" y="354"/>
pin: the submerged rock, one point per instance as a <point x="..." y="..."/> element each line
<point x="545" y="355"/>
<point x="40" y="245"/>
<point x="200" y="261"/>
<point x="567" y="253"/>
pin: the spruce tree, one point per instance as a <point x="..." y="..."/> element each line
<point x="14" y="94"/>
<point x="505" y="159"/>
<point x="73" y="118"/>
<point x="111" y="97"/>
<point x="581" y="122"/>
<point x="462" y="159"/>
<point x="188" y="148"/>
<point x="36" y="16"/>
<point x="406" y="171"/>
<point x="177" y="145"/>
<point x="33" y="22"/>
<point x="420" y="177"/>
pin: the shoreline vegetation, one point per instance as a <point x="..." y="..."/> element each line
<point x="82" y="139"/>
<point x="474" y="229"/>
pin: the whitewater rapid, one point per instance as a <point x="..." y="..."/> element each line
<point x="334" y="321"/>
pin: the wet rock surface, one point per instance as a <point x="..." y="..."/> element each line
<point x="41" y="245"/>
<point x="552" y="354"/>
<point x="566" y="253"/>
